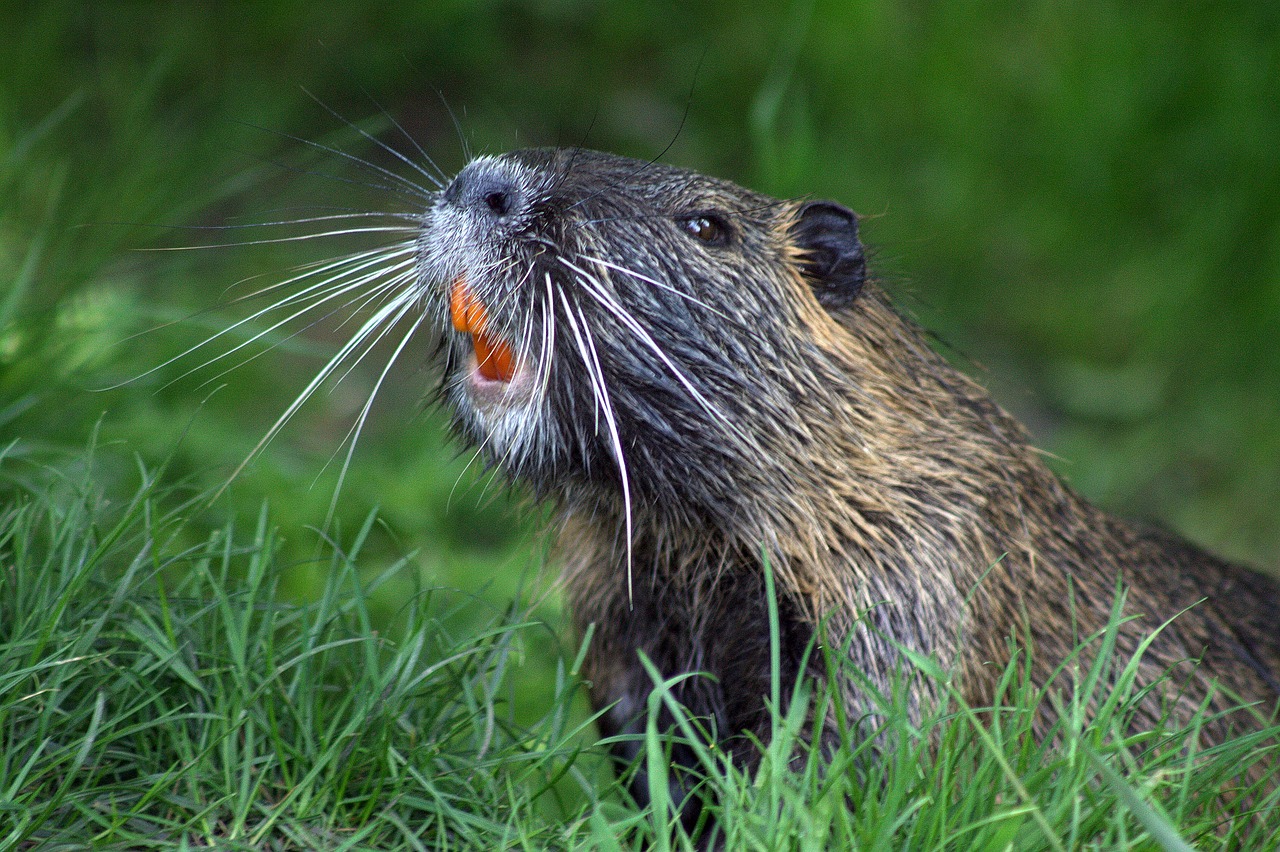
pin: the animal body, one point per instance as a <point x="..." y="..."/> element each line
<point x="701" y="378"/>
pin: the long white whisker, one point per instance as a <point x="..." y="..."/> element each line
<point x="527" y="443"/>
<point x="396" y="183"/>
<point x="593" y="287"/>
<point x="353" y="434"/>
<point x="353" y="263"/>
<point x="548" y="342"/>
<point x="388" y="148"/>
<point x="361" y="266"/>
<point x="345" y="214"/>
<point x="499" y="269"/>
<point x="296" y="238"/>
<point x="661" y="285"/>
<point x="591" y="360"/>
<point x="338" y="288"/>
<point x="475" y="456"/>
<point x="401" y="272"/>
<point x="310" y="298"/>
<point x="335" y="270"/>
<point x="374" y="293"/>
<point x="403" y="278"/>
<point x="326" y="289"/>
<point x="369" y="326"/>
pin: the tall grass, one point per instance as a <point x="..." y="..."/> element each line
<point x="978" y="778"/>
<point x="154" y="693"/>
<point x="174" y="674"/>
<point x="157" y="694"/>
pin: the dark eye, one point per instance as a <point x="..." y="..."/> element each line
<point x="711" y="230"/>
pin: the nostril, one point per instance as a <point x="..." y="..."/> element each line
<point x="486" y="191"/>
<point x="498" y="202"/>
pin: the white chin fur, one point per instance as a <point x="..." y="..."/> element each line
<point x="506" y="415"/>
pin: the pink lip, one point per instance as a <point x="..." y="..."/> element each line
<point x="485" y="390"/>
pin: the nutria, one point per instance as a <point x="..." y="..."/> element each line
<point x="700" y="377"/>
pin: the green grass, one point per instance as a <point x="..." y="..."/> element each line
<point x="160" y="695"/>
<point x="154" y="693"/>
<point x="1082" y="199"/>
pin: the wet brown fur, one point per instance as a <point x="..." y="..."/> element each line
<point x="895" y="501"/>
<point x="941" y="499"/>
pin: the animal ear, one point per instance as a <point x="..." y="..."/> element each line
<point x="831" y="254"/>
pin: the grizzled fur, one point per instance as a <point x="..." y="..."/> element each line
<point x="710" y="378"/>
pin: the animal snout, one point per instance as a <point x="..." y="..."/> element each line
<point x="486" y="191"/>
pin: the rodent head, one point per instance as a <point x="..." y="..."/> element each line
<point x="625" y="327"/>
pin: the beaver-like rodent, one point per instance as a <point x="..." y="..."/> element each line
<point x="701" y="377"/>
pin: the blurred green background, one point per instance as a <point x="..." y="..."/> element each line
<point x="1082" y="200"/>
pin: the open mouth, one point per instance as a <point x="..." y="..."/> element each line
<point x="494" y="359"/>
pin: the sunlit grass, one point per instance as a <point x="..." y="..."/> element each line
<point x="158" y="694"/>
<point x="152" y="694"/>
<point x="178" y="672"/>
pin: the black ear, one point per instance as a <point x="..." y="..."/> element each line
<point x="827" y="236"/>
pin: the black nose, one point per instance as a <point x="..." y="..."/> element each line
<point x="486" y="192"/>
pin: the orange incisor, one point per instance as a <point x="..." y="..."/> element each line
<point x="496" y="361"/>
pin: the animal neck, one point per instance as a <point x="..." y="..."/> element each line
<point x="902" y="486"/>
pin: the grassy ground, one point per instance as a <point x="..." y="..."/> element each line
<point x="157" y="695"/>
<point x="1083" y="203"/>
